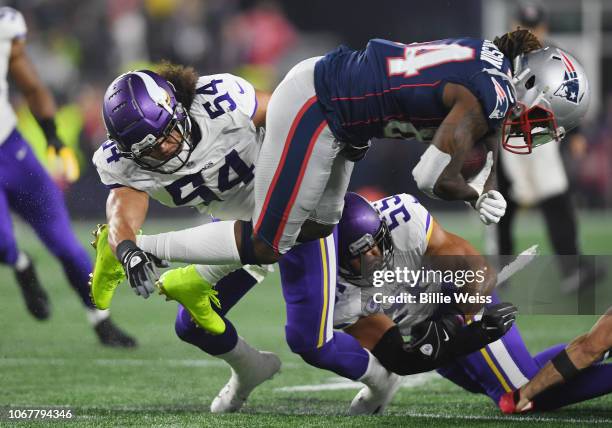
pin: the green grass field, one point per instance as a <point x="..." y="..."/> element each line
<point x="167" y="383"/>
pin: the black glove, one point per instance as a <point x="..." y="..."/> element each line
<point x="433" y="338"/>
<point x="139" y="267"/>
<point x="48" y="127"/>
<point x="498" y="319"/>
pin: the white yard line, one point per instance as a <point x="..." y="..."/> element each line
<point x="117" y="362"/>
<point x="338" y="383"/>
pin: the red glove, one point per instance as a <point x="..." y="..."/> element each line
<point x="508" y="402"/>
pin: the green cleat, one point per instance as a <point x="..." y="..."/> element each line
<point x="108" y="272"/>
<point x="186" y="286"/>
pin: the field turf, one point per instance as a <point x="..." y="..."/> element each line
<point x="167" y="383"/>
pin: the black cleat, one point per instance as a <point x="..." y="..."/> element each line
<point x="34" y="295"/>
<point x="111" y="335"/>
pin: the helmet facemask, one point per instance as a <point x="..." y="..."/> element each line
<point x="369" y="263"/>
<point x="525" y="128"/>
<point x="179" y="125"/>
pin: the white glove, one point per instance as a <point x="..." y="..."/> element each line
<point x="491" y="207"/>
<point x="478" y="181"/>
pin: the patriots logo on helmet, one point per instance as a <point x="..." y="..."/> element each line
<point x="570" y="88"/>
<point x="502" y="102"/>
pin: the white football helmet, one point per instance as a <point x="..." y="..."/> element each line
<point x="552" y="94"/>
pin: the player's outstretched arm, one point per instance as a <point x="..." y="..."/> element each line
<point x="126" y="210"/>
<point x="451" y="252"/>
<point x="581" y="353"/>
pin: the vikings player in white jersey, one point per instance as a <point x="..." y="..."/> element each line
<point x="487" y="356"/>
<point x="28" y="190"/>
<point x="203" y="157"/>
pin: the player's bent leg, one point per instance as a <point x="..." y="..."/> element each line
<point x="186" y="286"/>
<point x="502" y="366"/>
<point x="295" y="162"/>
<point x="308" y="275"/>
<point x="249" y="366"/>
<point x="35" y="297"/>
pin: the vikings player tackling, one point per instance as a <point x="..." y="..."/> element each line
<point x="398" y="232"/>
<point x="192" y="141"/>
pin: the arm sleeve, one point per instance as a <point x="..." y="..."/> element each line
<point x="395" y="356"/>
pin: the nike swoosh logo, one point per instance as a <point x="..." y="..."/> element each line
<point x="241" y="90"/>
<point x="445" y="336"/>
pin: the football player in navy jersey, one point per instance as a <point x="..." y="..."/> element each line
<point x="450" y="93"/>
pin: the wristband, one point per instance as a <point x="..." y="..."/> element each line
<point x="48" y="128"/>
<point x="124" y="247"/>
<point x="564" y="365"/>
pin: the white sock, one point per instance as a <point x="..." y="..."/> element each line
<point x="376" y="376"/>
<point x="22" y="263"/>
<point x="213" y="273"/>
<point x="241" y="358"/>
<point x="212" y="243"/>
<point x="96" y="316"/>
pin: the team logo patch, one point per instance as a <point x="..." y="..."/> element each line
<point x="371" y="307"/>
<point x="426" y="349"/>
<point x="570" y="88"/>
<point x="502" y="102"/>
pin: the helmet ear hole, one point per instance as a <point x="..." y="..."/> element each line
<point x="530" y="83"/>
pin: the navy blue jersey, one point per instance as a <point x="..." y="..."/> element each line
<point x="393" y="90"/>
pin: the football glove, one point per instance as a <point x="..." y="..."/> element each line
<point x="139" y="267"/>
<point x="498" y="319"/>
<point x="491" y="207"/>
<point x="63" y="163"/>
<point x="434" y="338"/>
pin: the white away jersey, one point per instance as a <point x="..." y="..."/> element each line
<point x="12" y="26"/>
<point x="410" y="225"/>
<point x="218" y="179"/>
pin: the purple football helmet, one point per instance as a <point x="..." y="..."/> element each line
<point x="140" y="110"/>
<point x="360" y="229"/>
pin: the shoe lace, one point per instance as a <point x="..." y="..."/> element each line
<point x="213" y="296"/>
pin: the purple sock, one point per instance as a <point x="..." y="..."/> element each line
<point x="187" y="330"/>
<point x="231" y="289"/>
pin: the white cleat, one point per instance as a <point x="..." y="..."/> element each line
<point x="235" y="392"/>
<point x="374" y="402"/>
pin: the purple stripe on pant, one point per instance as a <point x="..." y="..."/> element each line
<point x="27" y="189"/>
<point x="474" y="374"/>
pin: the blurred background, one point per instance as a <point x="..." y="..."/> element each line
<point x="79" y="47"/>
